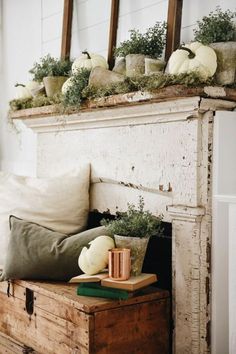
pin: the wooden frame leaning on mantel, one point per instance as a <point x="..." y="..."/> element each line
<point x="66" y="29"/>
<point x="173" y="28"/>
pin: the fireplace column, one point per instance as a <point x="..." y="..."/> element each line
<point x="189" y="271"/>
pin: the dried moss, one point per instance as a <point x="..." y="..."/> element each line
<point x="145" y="83"/>
<point x="79" y="91"/>
<point x="33" y="102"/>
<point x="91" y="92"/>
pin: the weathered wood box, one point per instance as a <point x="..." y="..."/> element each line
<point x="52" y="319"/>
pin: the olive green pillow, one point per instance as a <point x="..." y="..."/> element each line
<point x="38" y="253"/>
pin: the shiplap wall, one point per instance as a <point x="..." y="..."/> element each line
<point x="31" y="29"/>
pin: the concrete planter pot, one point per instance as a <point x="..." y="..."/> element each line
<point x="226" y="62"/>
<point x="153" y="66"/>
<point x="120" y="66"/>
<point x="135" y="64"/>
<point x="53" y="84"/>
<point x="137" y="246"/>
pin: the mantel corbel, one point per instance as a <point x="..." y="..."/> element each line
<point x="186" y="213"/>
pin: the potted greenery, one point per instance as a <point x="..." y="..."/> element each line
<point x="140" y="45"/>
<point x="218" y="30"/>
<point x="132" y="229"/>
<point x="53" y="72"/>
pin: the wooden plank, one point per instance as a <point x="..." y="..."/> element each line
<point x="173" y="26"/>
<point x="160" y="191"/>
<point x="66" y="29"/>
<point x="141" y="328"/>
<point x="163" y="94"/>
<point x="34" y="112"/>
<point x="113" y="31"/>
<point x="61" y="307"/>
<point x="209" y="104"/>
<point x="66" y="294"/>
<point x="44" y="331"/>
<point x="220" y="92"/>
<point x="10" y="346"/>
<point x="168" y="93"/>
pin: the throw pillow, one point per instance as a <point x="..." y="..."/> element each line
<point x="60" y="203"/>
<point x="38" y="253"/>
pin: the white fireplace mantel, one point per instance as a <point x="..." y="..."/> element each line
<point x="162" y="150"/>
<point x="168" y="111"/>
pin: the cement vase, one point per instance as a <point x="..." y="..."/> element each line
<point x="53" y="84"/>
<point x="135" y="64"/>
<point x="154" y="66"/>
<point x="226" y="62"/>
<point x="138" y="247"/>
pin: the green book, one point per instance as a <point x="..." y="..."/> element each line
<point x="97" y="290"/>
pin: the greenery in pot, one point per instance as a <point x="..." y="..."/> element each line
<point x="135" y="222"/>
<point x="49" y="66"/>
<point x="218" y="26"/>
<point x="151" y="43"/>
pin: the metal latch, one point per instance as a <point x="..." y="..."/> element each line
<point x="27" y="350"/>
<point x="29" y="301"/>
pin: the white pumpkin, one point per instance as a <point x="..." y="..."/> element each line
<point x="193" y="57"/>
<point x="25" y="91"/>
<point x="67" y="84"/>
<point x="89" y="61"/>
<point x="94" y="259"/>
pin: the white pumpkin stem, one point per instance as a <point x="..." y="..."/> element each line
<point x="16" y="85"/>
<point x="85" y="52"/>
<point x="191" y="55"/>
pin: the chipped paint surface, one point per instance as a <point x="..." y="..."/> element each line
<point x="167" y="161"/>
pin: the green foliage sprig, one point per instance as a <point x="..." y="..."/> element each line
<point x="49" y="66"/>
<point x="150" y="43"/>
<point x="134" y="222"/>
<point x="218" y="26"/>
<point x="73" y="96"/>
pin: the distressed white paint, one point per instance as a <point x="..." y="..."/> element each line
<point x="187" y="273"/>
<point x="125" y="116"/>
<point x="156" y="146"/>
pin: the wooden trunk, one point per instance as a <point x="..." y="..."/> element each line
<point x="52" y="319"/>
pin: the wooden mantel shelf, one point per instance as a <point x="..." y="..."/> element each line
<point x="95" y="113"/>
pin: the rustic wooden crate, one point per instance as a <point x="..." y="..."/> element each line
<point x="52" y="319"/>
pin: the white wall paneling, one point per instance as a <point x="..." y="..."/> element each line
<point x="224" y="235"/>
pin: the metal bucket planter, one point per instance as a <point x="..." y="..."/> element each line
<point x="53" y="84"/>
<point x="135" y="64"/>
<point x="138" y="247"/>
<point x="226" y="62"/>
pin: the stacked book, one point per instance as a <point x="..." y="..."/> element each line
<point x="100" y="285"/>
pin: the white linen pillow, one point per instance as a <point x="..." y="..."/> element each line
<point x="60" y="203"/>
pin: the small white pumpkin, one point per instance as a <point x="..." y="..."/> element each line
<point x="193" y="57"/>
<point x="89" y="61"/>
<point x="94" y="259"/>
<point x="25" y="91"/>
<point x="67" y="84"/>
